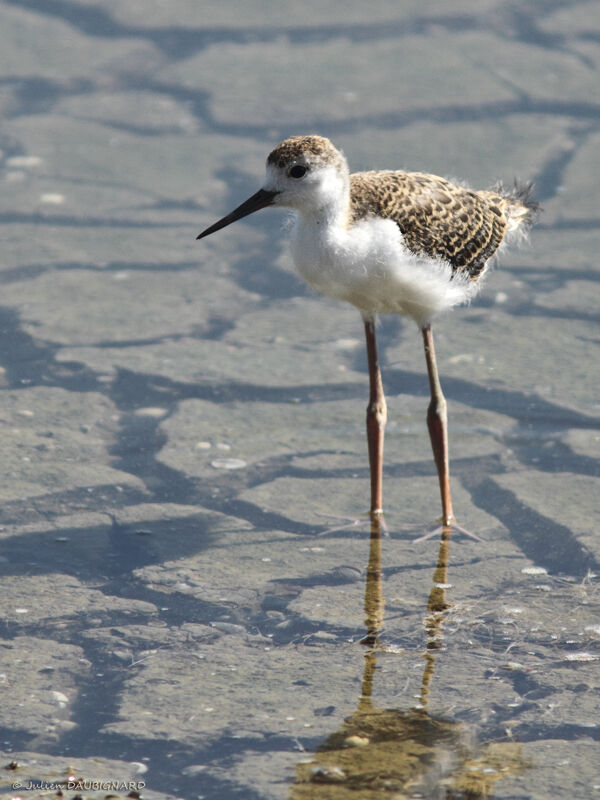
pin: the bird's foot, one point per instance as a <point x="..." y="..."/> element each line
<point x="454" y="526"/>
<point x="354" y="523"/>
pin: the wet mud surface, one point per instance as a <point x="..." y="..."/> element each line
<point x="187" y="609"/>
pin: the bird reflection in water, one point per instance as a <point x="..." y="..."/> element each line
<point x="394" y="753"/>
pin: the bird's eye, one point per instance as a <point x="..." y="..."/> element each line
<point x="298" y="171"/>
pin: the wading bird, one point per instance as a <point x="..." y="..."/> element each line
<point x="388" y="241"/>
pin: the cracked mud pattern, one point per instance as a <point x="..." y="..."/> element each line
<point x="181" y="423"/>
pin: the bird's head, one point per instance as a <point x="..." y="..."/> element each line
<point x="305" y="173"/>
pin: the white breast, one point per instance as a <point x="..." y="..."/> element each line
<point x="369" y="266"/>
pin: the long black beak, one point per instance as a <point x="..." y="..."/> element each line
<point x="261" y="199"/>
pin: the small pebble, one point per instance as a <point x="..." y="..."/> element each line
<point x="228" y="463"/>
<point x="329" y="774"/>
<point x="347" y="344"/>
<point x="346" y="573"/>
<point x="460" y="358"/>
<point x="151" y="412"/>
<point x="23" y="161"/>
<point x="52" y="198"/>
<point x="582" y="657"/>
<point x="229" y="627"/>
<point x="193" y="769"/>
<point x="357" y="741"/>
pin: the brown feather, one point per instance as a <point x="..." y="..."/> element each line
<point x="437" y="218"/>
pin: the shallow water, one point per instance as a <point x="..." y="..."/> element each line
<point x="188" y="609"/>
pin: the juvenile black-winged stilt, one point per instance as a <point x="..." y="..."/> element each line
<point x="388" y="241"/>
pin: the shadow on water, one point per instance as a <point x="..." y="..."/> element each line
<point x="380" y="751"/>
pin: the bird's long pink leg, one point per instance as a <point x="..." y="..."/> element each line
<point x="376" y="419"/>
<point x="437" y="422"/>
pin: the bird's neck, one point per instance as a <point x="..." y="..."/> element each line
<point x="332" y="212"/>
<point x="328" y="203"/>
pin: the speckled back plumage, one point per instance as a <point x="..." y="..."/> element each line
<point x="438" y="218"/>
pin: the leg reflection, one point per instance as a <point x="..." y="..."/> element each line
<point x="379" y="751"/>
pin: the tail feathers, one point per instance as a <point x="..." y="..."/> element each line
<point x="521" y="209"/>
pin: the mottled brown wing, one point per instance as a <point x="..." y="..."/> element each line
<point x="436" y="217"/>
